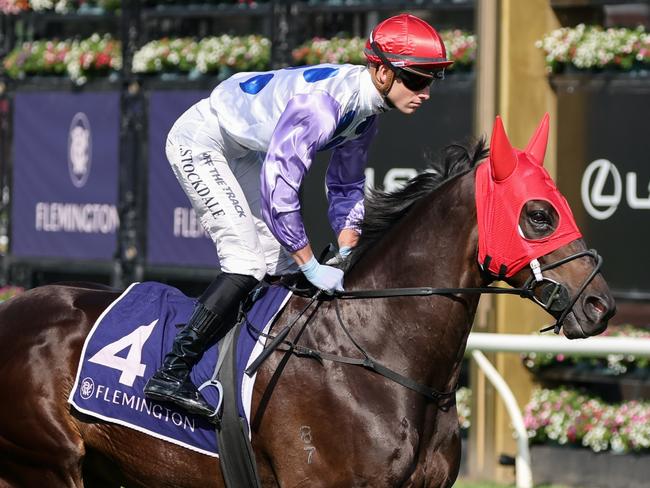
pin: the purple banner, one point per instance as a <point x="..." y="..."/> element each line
<point x="174" y="234"/>
<point x="65" y="175"/>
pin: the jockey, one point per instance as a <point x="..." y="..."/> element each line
<point x="241" y="156"/>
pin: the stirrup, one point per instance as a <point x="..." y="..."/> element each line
<point x="215" y="416"/>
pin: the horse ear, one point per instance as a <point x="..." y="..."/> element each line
<point x="537" y="144"/>
<point x="502" y="156"/>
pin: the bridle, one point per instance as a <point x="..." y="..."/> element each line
<point x="554" y="296"/>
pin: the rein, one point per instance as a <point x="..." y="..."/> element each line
<point x="443" y="399"/>
<point x="555" y="298"/>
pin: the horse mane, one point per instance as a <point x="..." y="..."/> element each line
<point x="384" y="209"/>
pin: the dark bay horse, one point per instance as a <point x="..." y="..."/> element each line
<point x="324" y="424"/>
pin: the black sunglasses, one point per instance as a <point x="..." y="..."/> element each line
<point x="412" y="81"/>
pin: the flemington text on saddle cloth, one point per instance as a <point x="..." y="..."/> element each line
<point x="128" y="343"/>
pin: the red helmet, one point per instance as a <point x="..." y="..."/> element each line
<point x="407" y="42"/>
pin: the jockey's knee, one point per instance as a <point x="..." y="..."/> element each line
<point x="251" y="266"/>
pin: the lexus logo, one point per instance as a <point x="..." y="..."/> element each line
<point x="593" y="187"/>
<point x="79" y="149"/>
<point x="601" y="205"/>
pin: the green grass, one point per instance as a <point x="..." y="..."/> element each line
<point x="485" y="484"/>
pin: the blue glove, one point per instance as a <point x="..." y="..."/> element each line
<point x="321" y="276"/>
<point x="345" y="251"/>
<point x="339" y="258"/>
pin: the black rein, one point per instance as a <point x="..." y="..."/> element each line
<point x="558" y="295"/>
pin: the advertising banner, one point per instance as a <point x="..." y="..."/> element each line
<point x="65" y="175"/>
<point x="603" y="152"/>
<point x="174" y="234"/>
<point x="403" y="147"/>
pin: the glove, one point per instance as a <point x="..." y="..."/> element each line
<point x="345" y="251"/>
<point x="322" y="276"/>
<point x="340" y="257"/>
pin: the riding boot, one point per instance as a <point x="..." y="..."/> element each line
<point x="211" y="320"/>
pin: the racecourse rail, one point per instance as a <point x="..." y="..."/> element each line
<point x="479" y="342"/>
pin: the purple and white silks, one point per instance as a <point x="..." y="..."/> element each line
<point x="290" y="114"/>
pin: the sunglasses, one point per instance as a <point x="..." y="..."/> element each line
<point x="412" y="81"/>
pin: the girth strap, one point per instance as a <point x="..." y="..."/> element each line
<point x="236" y="456"/>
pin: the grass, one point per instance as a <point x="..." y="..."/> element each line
<point x="485" y="484"/>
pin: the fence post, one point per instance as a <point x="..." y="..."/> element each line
<point x="127" y="265"/>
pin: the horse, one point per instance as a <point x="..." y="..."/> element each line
<point x="317" y="423"/>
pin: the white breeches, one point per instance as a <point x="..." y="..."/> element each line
<point x="222" y="181"/>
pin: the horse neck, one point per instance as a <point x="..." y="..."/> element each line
<point x="434" y="245"/>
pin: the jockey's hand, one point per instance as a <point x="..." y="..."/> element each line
<point x="340" y="257"/>
<point x="322" y="276"/>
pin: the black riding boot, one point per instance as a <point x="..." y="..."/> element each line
<point x="211" y="320"/>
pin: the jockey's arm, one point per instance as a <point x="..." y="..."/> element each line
<point x="346" y="186"/>
<point x="307" y="123"/>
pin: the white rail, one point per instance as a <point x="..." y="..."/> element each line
<point x="596" y="346"/>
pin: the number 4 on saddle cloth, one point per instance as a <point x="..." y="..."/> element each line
<point x="127" y="344"/>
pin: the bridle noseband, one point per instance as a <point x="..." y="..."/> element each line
<point x="554" y="296"/>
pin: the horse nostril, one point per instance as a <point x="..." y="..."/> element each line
<point x="596" y="308"/>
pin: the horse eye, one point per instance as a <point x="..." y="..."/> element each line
<point x="539" y="217"/>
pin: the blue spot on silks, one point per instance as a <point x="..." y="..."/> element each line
<point x="255" y="84"/>
<point x="344" y="123"/>
<point x="361" y="128"/>
<point x="334" y="142"/>
<point x="316" y="74"/>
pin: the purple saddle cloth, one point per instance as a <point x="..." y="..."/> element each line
<point x="127" y="345"/>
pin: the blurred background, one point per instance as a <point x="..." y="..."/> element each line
<point x="89" y="89"/>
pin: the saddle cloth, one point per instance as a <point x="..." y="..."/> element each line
<point x="128" y="343"/>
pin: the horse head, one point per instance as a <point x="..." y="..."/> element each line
<point x="529" y="238"/>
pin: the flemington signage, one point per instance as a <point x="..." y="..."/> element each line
<point x="65" y="176"/>
<point x="174" y="234"/>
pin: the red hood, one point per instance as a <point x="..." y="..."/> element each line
<point x="503" y="186"/>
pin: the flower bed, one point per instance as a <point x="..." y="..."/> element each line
<point x="59" y="6"/>
<point x="567" y="417"/>
<point x="461" y="48"/>
<point x="594" y="48"/>
<point x="463" y="407"/>
<point x="335" y="50"/>
<point x="209" y="55"/>
<point x="612" y="365"/>
<point x="9" y="291"/>
<point x="79" y="59"/>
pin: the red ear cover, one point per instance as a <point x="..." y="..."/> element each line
<point x="537" y="144"/>
<point x="502" y="156"/>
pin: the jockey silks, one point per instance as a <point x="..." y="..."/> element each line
<point x="504" y="184"/>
